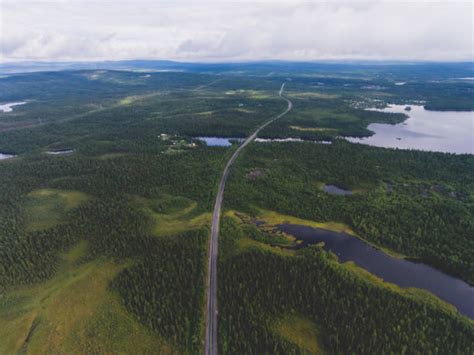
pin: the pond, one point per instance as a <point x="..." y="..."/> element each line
<point x="439" y="131"/>
<point x="8" y="107"/>
<point x="264" y="140"/>
<point x="227" y="142"/>
<point x="60" y="152"/>
<point x="335" y="190"/>
<point x="6" y="156"/>
<point x="219" y="141"/>
<point x="402" y="272"/>
<point x="282" y="140"/>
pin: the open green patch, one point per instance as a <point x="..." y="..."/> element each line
<point x="173" y="214"/>
<point x="46" y="208"/>
<point x="300" y="331"/>
<point x="59" y="316"/>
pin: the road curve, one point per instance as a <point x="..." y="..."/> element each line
<point x="211" y="310"/>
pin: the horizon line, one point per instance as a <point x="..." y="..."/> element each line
<point x="235" y="61"/>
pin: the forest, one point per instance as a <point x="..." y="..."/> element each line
<point x="337" y="299"/>
<point x="418" y="204"/>
<point x="108" y="236"/>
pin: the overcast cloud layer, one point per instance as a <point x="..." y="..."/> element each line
<point x="238" y="30"/>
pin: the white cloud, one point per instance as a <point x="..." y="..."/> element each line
<point x="236" y="30"/>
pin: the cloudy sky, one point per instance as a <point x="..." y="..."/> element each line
<point x="235" y="30"/>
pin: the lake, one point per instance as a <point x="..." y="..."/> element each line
<point x="219" y="141"/>
<point x="336" y="190"/>
<point x="8" y="107"/>
<point x="283" y="140"/>
<point x="439" y="131"/>
<point x="60" y="152"/>
<point x="264" y="140"/>
<point x="402" y="272"/>
<point x="6" y="156"/>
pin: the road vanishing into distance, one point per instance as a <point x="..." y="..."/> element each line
<point x="211" y="314"/>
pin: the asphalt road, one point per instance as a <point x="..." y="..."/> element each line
<point x="211" y="314"/>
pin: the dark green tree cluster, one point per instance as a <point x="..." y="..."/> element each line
<point x="33" y="257"/>
<point x="165" y="288"/>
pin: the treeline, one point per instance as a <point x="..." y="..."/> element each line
<point x="397" y="202"/>
<point x="257" y="287"/>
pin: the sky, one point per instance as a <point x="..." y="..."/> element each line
<point x="222" y="31"/>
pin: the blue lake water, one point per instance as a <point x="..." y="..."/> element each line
<point x="439" y="131"/>
<point x="402" y="272"/>
<point x="60" y="152"/>
<point x="335" y="190"/>
<point x="219" y="141"/>
<point x="227" y="142"/>
<point x="8" y="107"/>
<point x="289" y="139"/>
<point x="6" y="156"/>
<point x="281" y="140"/>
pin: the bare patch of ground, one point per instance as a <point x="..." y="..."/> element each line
<point x="254" y="174"/>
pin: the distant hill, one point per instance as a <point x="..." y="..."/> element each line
<point x="387" y="69"/>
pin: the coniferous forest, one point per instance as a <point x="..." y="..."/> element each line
<point x="107" y="199"/>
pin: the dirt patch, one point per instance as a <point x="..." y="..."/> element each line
<point x="254" y="174"/>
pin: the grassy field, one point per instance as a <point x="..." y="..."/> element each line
<point x="174" y="214"/>
<point x="46" y="208"/>
<point x="273" y="218"/>
<point x="74" y="312"/>
<point x="300" y="331"/>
